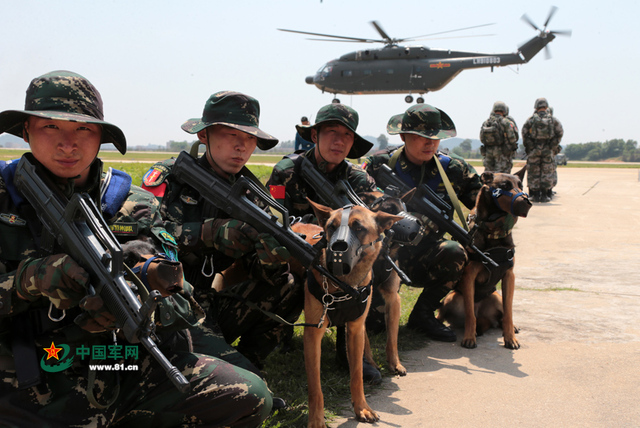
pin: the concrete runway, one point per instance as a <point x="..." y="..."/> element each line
<point x="577" y="304"/>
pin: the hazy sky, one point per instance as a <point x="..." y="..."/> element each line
<point x="156" y="62"/>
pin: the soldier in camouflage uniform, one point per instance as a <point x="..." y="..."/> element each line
<point x="541" y="135"/>
<point x="499" y="137"/>
<point x="209" y="241"/>
<point x="436" y="265"/>
<point x="335" y="139"/>
<point x="63" y="123"/>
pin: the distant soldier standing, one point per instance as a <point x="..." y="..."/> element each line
<point x="499" y="136"/>
<point x="541" y="134"/>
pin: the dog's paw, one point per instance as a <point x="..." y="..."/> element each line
<point x="400" y="370"/>
<point x="367" y="415"/>
<point x="469" y="343"/>
<point x="516" y="330"/>
<point x="511" y="343"/>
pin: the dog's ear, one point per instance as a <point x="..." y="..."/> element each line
<point x="487" y="178"/>
<point x="322" y="212"/>
<point x="369" y="197"/>
<point x="385" y="220"/>
<point x="520" y="174"/>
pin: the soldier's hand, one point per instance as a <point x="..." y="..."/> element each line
<point x="57" y="277"/>
<point x="270" y="253"/>
<point x="95" y="318"/>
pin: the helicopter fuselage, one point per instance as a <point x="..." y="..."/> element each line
<point x="411" y="69"/>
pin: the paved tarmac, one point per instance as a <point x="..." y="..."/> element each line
<point x="577" y="303"/>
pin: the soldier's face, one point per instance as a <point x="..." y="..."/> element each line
<point x="419" y="149"/>
<point x="334" y="141"/>
<point x="228" y="149"/>
<point x="66" y="149"/>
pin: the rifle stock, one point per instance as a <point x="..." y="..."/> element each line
<point x="79" y="229"/>
<point x="427" y="202"/>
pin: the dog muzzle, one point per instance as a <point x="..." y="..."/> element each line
<point x="408" y="231"/>
<point x="344" y="249"/>
<point x="517" y="208"/>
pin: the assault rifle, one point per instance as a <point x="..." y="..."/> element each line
<point x="427" y="202"/>
<point x="332" y="195"/>
<point x="233" y="201"/>
<point x="77" y="227"/>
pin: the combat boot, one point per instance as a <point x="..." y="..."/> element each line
<point x="422" y="316"/>
<point x="544" y="195"/>
<point x="370" y="374"/>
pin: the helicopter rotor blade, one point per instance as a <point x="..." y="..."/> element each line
<point x="346" y="41"/>
<point x="382" y="33"/>
<point x="354" y="39"/>
<point x="444" y="32"/>
<point x="562" y="32"/>
<point x="552" y="12"/>
<point x="528" y="20"/>
<point x="453" y="37"/>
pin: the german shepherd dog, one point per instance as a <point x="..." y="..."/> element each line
<point x="475" y="299"/>
<point x="386" y="279"/>
<point x="354" y="239"/>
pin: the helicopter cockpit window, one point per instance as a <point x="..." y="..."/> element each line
<point x="325" y="70"/>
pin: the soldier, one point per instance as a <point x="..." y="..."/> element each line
<point x="541" y="135"/>
<point x="335" y="138"/>
<point x="210" y="242"/>
<point x="499" y="137"/>
<point x="436" y="265"/>
<point x="44" y="303"/>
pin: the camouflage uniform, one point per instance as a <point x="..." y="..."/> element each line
<point x="436" y="264"/>
<point x="498" y="152"/>
<point x="541" y="151"/>
<point x="297" y="190"/>
<point x="187" y="216"/>
<point x="220" y="394"/>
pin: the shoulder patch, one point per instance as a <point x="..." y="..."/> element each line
<point x="168" y="238"/>
<point x="157" y="174"/>
<point x="12" y="219"/>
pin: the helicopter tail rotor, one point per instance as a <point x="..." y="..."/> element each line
<point x="544" y="32"/>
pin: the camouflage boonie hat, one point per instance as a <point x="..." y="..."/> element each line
<point x="500" y="106"/>
<point x="63" y="95"/>
<point x="234" y="110"/>
<point x="424" y="120"/>
<point x="336" y="112"/>
<point x="541" y="102"/>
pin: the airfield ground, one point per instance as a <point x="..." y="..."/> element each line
<point x="577" y="303"/>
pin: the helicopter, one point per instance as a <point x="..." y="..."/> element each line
<point x="395" y="69"/>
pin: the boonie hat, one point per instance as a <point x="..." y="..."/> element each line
<point x="234" y="110"/>
<point x="63" y="95"/>
<point x="348" y="117"/>
<point x="424" y="120"/>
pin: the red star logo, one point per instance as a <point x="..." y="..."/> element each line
<point x="53" y="351"/>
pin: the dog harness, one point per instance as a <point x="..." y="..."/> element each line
<point x="503" y="256"/>
<point x="339" y="307"/>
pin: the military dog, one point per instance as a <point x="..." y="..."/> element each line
<point x="386" y="279"/>
<point x="499" y="204"/>
<point x="354" y="237"/>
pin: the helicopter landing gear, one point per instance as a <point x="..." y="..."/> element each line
<point x="335" y="101"/>
<point x="420" y="100"/>
<point x="408" y="99"/>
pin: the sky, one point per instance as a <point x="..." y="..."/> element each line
<point x="156" y="62"/>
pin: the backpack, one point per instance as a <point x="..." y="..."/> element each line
<point x="542" y="126"/>
<point x="491" y="133"/>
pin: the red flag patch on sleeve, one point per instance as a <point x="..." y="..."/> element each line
<point x="277" y="192"/>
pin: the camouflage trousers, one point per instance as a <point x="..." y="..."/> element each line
<point x="541" y="168"/>
<point x="496" y="160"/>
<point x="435" y="266"/>
<point x="237" y="311"/>
<point x="220" y="395"/>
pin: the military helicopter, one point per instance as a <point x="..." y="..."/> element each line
<point x="395" y="69"/>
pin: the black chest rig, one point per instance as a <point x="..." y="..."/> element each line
<point x="341" y="307"/>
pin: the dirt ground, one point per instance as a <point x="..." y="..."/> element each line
<point x="577" y="303"/>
